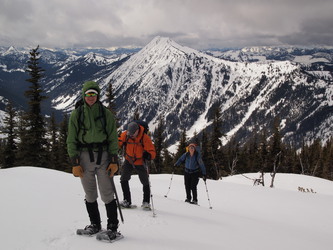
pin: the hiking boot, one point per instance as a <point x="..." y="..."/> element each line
<point x="188" y="201"/>
<point x="194" y="202"/>
<point x="112" y="227"/>
<point x="112" y="234"/>
<point x="92" y="229"/>
<point x="145" y="205"/>
<point x="125" y="204"/>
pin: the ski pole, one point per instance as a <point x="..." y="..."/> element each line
<point x="151" y="197"/>
<point x="151" y="194"/>
<point x="210" y="206"/>
<point x="117" y="200"/>
<point x="169" y="186"/>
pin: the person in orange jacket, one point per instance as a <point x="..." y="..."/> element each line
<point x="138" y="148"/>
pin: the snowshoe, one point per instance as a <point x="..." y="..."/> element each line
<point x="88" y="230"/>
<point x="109" y="236"/>
<point x="146" y="206"/>
<point x="126" y="204"/>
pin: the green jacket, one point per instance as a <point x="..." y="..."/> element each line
<point x="91" y="128"/>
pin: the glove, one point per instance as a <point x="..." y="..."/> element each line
<point x="146" y="156"/>
<point x="113" y="165"/>
<point x="77" y="171"/>
<point x="204" y="177"/>
<point x="112" y="169"/>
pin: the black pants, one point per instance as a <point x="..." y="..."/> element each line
<point x="191" y="182"/>
<point x="126" y="176"/>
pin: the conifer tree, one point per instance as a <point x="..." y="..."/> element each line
<point x="181" y="149"/>
<point x="303" y="158"/>
<point x="53" y="145"/>
<point x="33" y="142"/>
<point x="252" y="154"/>
<point x="158" y="143"/>
<point x="111" y="103"/>
<point x="64" y="163"/>
<point x="21" y="127"/>
<point x="276" y="143"/>
<point x="276" y="153"/>
<point x="290" y="160"/>
<point x="216" y="144"/>
<point x="327" y="172"/>
<point x="10" y="128"/>
<point x="315" y="157"/>
<point x="263" y="156"/>
<point x="216" y="132"/>
<point x="232" y="156"/>
<point x="195" y="139"/>
<point x="110" y="99"/>
<point x="2" y="148"/>
<point x="168" y="161"/>
<point x="207" y="154"/>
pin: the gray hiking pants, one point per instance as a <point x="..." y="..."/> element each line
<point x="89" y="183"/>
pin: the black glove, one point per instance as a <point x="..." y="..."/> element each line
<point x="204" y="177"/>
<point x="146" y="156"/>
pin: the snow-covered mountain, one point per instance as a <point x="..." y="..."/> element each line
<point x="65" y="71"/>
<point x="183" y="86"/>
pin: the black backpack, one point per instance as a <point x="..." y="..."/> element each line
<point x="145" y="131"/>
<point x="144" y="125"/>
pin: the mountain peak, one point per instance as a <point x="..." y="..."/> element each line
<point x="10" y="50"/>
<point x="162" y="44"/>
<point x="161" y="40"/>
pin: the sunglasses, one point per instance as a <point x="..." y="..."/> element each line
<point x="90" y="94"/>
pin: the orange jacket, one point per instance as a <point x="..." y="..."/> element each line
<point x="136" y="147"/>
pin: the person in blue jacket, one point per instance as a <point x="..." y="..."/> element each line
<point x="194" y="168"/>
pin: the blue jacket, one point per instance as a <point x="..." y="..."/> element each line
<point x="192" y="163"/>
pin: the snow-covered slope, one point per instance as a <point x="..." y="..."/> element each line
<point x="38" y="213"/>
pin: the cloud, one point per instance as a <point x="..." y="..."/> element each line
<point x="315" y="31"/>
<point x="194" y="23"/>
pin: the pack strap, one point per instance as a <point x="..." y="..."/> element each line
<point x="132" y="159"/>
<point x="91" y="147"/>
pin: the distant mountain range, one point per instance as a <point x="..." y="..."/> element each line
<point x="183" y="86"/>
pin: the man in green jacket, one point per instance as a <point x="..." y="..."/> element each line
<point x="92" y="145"/>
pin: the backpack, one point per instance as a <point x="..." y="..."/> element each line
<point x="145" y="131"/>
<point x="144" y="125"/>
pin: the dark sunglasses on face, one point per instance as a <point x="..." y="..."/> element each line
<point x="90" y="94"/>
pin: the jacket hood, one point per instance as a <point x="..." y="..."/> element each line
<point x="90" y="85"/>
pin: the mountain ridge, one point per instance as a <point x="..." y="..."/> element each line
<point x="183" y="86"/>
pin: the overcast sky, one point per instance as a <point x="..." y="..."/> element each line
<point x="197" y="24"/>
